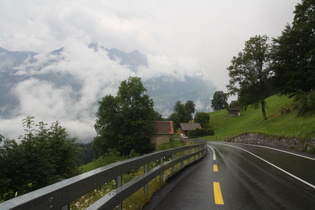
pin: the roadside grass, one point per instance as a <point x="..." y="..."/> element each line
<point x="287" y="124"/>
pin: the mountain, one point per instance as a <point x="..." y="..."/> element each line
<point x="67" y="87"/>
<point x="166" y="91"/>
<point x="8" y="61"/>
<point x="132" y="60"/>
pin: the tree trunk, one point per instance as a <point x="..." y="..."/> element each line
<point x="263" y="105"/>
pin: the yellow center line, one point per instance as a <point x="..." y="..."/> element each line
<point x="215" y="168"/>
<point x="218" y="199"/>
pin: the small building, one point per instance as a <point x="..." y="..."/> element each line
<point x="234" y="110"/>
<point x="164" y="130"/>
<point x="185" y="127"/>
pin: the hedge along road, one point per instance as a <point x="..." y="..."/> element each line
<point x="238" y="176"/>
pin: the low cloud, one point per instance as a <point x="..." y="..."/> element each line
<point x="95" y="76"/>
<point x="175" y="67"/>
<point x="42" y="99"/>
<point x="83" y="77"/>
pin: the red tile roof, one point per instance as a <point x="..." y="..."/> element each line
<point x="164" y="127"/>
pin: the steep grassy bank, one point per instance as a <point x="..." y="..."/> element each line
<point x="287" y="124"/>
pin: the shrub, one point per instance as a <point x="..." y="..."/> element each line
<point x="200" y="132"/>
<point x="202" y="118"/>
<point x="305" y="102"/>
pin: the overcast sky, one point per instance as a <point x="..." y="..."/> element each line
<point x="183" y="37"/>
<point x="208" y="32"/>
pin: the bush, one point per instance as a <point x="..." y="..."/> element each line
<point x="305" y="102"/>
<point x="200" y="132"/>
<point x="202" y="118"/>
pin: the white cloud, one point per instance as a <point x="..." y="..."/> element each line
<point x="40" y="98"/>
<point x="96" y="74"/>
<point x="175" y="67"/>
<point x="82" y="129"/>
<point x="11" y="128"/>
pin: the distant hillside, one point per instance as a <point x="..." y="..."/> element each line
<point x="287" y="125"/>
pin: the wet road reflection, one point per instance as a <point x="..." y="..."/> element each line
<point x="248" y="177"/>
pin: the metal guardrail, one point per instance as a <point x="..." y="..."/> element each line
<point x="61" y="194"/>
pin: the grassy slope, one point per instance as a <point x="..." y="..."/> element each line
<point x="289" y="125"/>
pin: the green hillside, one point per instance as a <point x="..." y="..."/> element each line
<point x="287" y="125"/>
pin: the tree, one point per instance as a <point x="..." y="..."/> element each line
<point x="125" y="122"/>
<point x="202" y="118"/>
<point x="219" y="100"/>
<point x="43" y="157"/>
<point x="182" y="112"/>
<point x="250" y="73"/>
<point x="107" y="125"/>
<point x="190" y="108"/>
<point x="305" y="102"/>
<point x="294" y="53"/>
<point x="85" y="154"/>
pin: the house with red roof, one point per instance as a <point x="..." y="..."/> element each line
<point x="164" y="130"/>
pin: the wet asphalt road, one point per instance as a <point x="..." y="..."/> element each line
<point x="237" y="176"/>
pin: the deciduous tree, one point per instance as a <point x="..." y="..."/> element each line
<point x="125" y="122"/>
<point x="182" y="112"/>
<point x="219" y="100"/>
<point x="250" y="73"/>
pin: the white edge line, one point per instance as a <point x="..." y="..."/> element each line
<point x="214" y="156"/>
<point x="255" y="145"/>
<point x="301" y="180"/>
<point x="291" y="153"/>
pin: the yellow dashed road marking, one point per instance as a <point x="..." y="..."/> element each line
<point x="218" y="199"/>
<point x="215" y="168"/>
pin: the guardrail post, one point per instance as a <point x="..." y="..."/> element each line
<point x="182" y="163"/>
<point x="173" y="167"/>
<point x="161" y="175"/>
<point x="119" y="184"/>
<point x="146" y="185"/>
